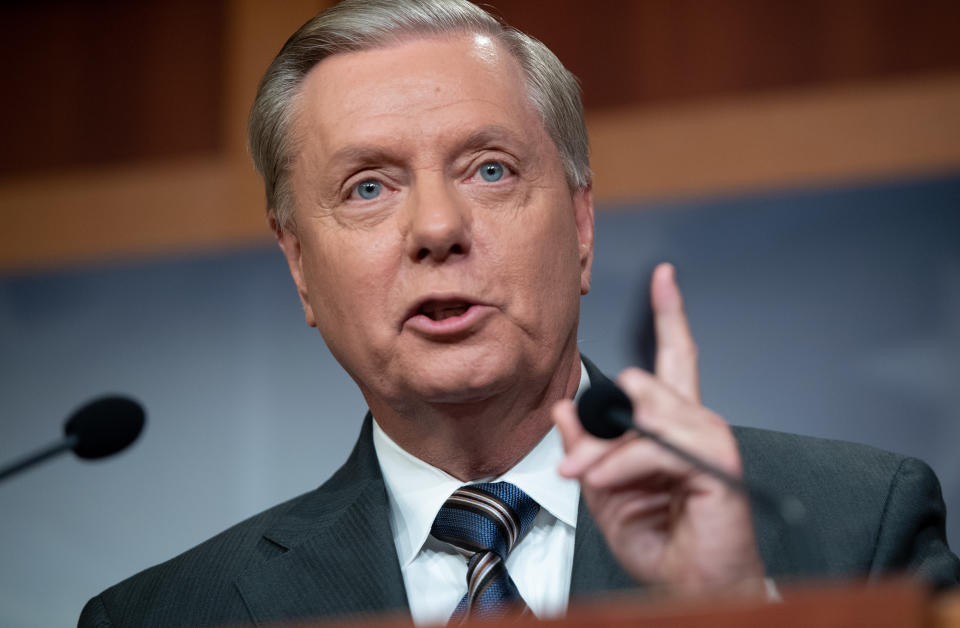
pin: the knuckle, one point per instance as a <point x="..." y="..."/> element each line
<point x="633" y="378"/>
<point x="717" y="425"/>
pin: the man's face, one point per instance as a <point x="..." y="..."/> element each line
<point x="437" y="245"/>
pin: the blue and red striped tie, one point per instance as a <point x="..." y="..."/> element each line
<point x="484" y="522"/>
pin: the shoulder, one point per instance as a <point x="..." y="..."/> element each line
<point x="879" y="511"/>
<point x="770" y="451"/>
<point x="195" y="587"/>
<point x="198" y="587"/>
<point x="831" y="477"/>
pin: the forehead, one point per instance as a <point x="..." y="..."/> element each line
<point x="420" y="87"/>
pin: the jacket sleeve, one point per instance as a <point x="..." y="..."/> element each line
<point x="912" y="534"/>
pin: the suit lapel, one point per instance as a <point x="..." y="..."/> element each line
<point x="595" y="570"/>
<point x="338" y="556"/>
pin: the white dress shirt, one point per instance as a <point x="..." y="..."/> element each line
<point x="435" y="576"/>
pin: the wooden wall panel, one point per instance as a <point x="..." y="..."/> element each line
<point x="632" y="52"/>
<point x="100" y="82"/>
<point x="819" y="136"/>
<point x="684" y="97"/>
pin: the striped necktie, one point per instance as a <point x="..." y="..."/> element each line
<point x="484" y="522"/>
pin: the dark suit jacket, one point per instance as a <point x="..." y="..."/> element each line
<point x="330" y="553"/>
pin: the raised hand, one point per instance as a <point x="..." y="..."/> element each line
<point x="666" y="522"/>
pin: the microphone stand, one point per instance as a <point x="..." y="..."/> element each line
<point x="51" y="450"/>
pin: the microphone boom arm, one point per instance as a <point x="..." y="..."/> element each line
<point x="51" y="450"/>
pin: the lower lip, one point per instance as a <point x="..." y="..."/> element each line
<point x="450" y="327"/>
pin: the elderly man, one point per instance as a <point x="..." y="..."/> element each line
<point x="427" y="179"/>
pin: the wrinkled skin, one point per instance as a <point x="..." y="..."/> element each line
<point x="424" y="181"/>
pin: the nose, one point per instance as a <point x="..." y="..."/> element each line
<point x="439" y="226"/>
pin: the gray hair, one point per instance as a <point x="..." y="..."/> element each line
<point x="355" y="25"/>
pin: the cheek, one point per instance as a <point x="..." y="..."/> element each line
<point x="558" y="246"/>
<point x="349" y="280"/>
<point x="545" y="257"/>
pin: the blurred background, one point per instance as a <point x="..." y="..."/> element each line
<point x="798" y="161"/>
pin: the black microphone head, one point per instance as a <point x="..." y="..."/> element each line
<point x="599" y="408"/>
<point x="105" y="426"/>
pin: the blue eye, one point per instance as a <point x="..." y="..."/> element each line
<point x="368" y="189"/>
<point x="491" y="171"/>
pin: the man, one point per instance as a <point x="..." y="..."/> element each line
<point x="427" y="178"/>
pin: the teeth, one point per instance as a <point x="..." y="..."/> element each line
<point x="441" y="311"/>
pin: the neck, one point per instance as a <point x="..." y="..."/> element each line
<point x="486" y="438"/>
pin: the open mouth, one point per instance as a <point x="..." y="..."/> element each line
<point x="441" y="310"/>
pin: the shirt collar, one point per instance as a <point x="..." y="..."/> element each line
<point x="416" y="490"/>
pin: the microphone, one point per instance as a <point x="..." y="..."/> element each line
<point x="606" y="412"/>
<point x="98" y="429"/>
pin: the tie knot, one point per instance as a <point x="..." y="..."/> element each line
<point x="487" y="517"/>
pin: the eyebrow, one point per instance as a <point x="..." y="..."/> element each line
<point x="490" y="134"/>
<point x="485" y="136"/>
<point x="362" y="154"/>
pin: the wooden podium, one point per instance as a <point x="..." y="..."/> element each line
<point x="894" y="604"/>
<point x="889" y="604"/>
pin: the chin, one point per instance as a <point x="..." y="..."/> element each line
<point x="465" y="379"/>
<point x="460" y="388"/>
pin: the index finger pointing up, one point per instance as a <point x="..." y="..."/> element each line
<point x="676" y="362"/>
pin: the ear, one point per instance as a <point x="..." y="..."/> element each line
<point x="290" y="245"/>
<point x="583" y="214"/>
